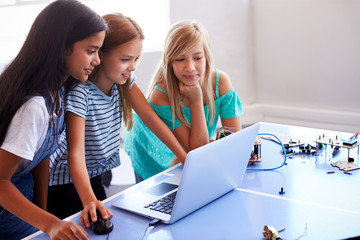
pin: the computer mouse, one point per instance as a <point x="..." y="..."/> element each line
<point x="101" y="226"/>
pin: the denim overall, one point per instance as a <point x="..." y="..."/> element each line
<point x="12" y="227"/>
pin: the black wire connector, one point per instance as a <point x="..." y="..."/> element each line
<point x="152" y="224"/>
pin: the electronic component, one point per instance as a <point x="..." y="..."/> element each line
<point x="282" y="146"/>
<point x="285" y="139"/>
<point x="335" y="151"/>
<point x="345" y="165"/>
<point x="303" y="149"/>
<point x="323" y="139"/>
<point x="337" y="143"/>
<point x="256" y="153"/>
<point x="307" y="149"/>
<point x="351" y="141"/>
<point x="270" y="233"/>
<point x="225" y="131"/>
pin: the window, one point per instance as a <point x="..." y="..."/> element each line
<point x="17" y="16"/>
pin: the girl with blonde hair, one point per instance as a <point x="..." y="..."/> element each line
<point x="189" y="95"/>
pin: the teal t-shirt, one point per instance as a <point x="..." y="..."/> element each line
<point x="149" y="155"/>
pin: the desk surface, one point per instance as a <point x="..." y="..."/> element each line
<point x="315" y="205"/>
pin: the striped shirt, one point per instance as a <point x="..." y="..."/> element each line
<point x="103" y="116"/>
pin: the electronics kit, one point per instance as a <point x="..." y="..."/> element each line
<point x="292" y="147"/>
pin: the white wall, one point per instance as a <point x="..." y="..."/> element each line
<point x="306" y="61"/>
<point x="146" y="69"/>
<point x="227" y="23"/>
<point x="291" y="61"/>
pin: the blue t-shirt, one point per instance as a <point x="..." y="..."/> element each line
<point x="103" y="115"/>
<point x="149" y="155"/>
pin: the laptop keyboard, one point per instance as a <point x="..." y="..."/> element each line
<point x="164" y="205"/>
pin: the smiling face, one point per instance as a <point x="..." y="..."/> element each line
<point x="189" y="68"/>
<point x="83" y="57"/>
<point x="118" y="64"/>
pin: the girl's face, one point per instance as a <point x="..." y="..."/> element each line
<point x="118" y="64"/>
<point x="189" y="68"/>
<point x="80" y="62"/>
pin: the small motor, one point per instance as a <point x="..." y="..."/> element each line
<point x="256" y="153"/>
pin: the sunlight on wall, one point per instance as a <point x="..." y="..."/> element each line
<point x="16" y="20"/>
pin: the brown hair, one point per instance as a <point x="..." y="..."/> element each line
<point x="121" y="29"/>
<point x="38" y="69"/>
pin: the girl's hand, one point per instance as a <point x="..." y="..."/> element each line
<point x="91" y="208"/>
<point x="192" y="93"/>
<point x="67" y="230"/>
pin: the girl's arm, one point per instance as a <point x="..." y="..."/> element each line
<point x="75" y="137"/>
<point x="231" y="122"/>
<point x="13" y="201"/>
<point x="224" y="87"/>
<point x="41" y="182"/>
<point x="154" y="123"/>
<point x="197" y="135"/>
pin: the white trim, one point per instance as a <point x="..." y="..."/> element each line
<point x="306" y="117"/>
<point x="298" y="201"/>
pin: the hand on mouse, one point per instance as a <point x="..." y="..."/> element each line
<point x="101" y="226"/>
<point x="91" y="208"/>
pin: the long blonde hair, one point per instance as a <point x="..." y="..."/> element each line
<point x="181" y="38"/>
<point x="121" y="29"/>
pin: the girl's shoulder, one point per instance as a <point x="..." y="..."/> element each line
<point x="82" y="89"/>
<point x="35" y="104"/>
<point x="85" y="86"/>
<point x="33" y="110"/>
<point x="222" y="82"/>
<point x="79" y="87"/>
<point x="159" y="96"/>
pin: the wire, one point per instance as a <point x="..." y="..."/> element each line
<point x="270" y="169"/>
<point x="224" y="131"/>
<point x="152" y="224"/>
<point x="303" y="234"/>
<point x="147" y="231"/>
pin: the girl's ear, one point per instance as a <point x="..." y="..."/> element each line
<point x="68" y="52"/>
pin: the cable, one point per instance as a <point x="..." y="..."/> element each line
<point x="303" y="234"/>
<point x="270" y="169"/>
<point x="147" y="231"/>
<point x="224" y="131"/>
<point x="152" y="224"/>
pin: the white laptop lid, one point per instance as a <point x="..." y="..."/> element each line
<point x="210" y="171"/>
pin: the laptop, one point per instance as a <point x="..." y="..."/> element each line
<point x="209" y="172"/>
